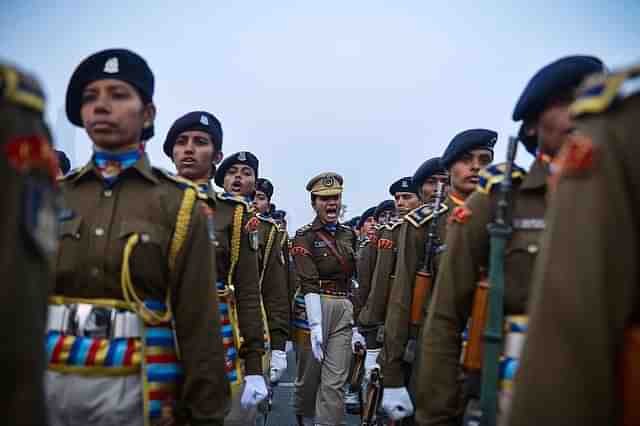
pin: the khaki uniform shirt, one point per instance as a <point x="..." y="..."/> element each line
<point x="438" y="392"/>
<point x="28" y="241"/>
<point x="314" y="261"/>
<point x="586" y="281"/>
<point x="94" y="227"/>
<point x="245" y="275"/>
<point x="274" y="271"/>
<point x="411" y="250"/>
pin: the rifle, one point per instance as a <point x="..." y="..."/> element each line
<point x="499" y="231"/>
<point x="424" y="275"/>
<point x="356" y="373"/>
<point x="373" y="399"/>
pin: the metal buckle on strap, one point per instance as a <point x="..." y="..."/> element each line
<point x="84" y="319"/>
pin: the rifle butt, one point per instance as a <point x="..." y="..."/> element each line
<point x="473" y="353"/>
<point x="421" y="290"/>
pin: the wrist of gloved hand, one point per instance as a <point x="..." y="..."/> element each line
<point x="356" y="337"/>
<point x="255" y="390"/>
<point x="396" y="402"/>
<point x="278" y="365"/>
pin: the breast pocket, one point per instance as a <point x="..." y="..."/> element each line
<point x="520" y="256"/>
<point x="71" y="251"/>
<point x="149" y="260"/>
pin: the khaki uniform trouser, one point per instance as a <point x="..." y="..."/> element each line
<point x="319" y="387"/>
<point x="76" y="400"/>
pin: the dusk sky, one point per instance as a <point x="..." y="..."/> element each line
<point x="369" y="89"/>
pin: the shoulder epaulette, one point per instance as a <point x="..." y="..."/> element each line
<point x="495" y="174"/>
<point x="601" y="92"/>
<point x="181" y="182"/>
<point x="418" y="217"/>
<point x="225" y="196"/>
<point x="394" y="224"/>
<point x="300" y="232"/>
<point x="267" y="219"/>
<point x="364" y="243"/>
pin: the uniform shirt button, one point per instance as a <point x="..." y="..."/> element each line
<point x="95" y="272"/>
<point x="107" y="193"/>
<point x="145" y="238"/>
<point x="99" y="232"/>
<point x="532" y="248"/>
<point x="76" y="235"/>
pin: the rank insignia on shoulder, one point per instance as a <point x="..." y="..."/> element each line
<point x="300" y="251"/>
<point x="460" y="214"/>
<point x="423" y="214"/>
<point x="384" y="243"/>
<point x="300" y="232"/>
<point x="495" y="174"/>
<point x="602" y="92"/>
<point x="25" y="153"/>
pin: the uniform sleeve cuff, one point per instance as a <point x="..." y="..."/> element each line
<point x="253" y="363"/>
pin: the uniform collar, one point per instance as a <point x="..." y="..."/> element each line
<point x="142" y="166"/>
<point x="537" y="176"/>
<point x="317" y="225"/>
<point x="456" y="199"/>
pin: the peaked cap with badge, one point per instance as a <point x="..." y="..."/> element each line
<point x="242" y="157"/>
<point x="195" y="120"/>
<point x="467" y="141"/>
<point x="117" y="64"/>
<point x="404" y="184"/>
<point x="326" y="184"/>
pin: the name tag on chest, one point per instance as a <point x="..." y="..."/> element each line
<point x="319" y="244"/>
<point x="529" y="223"/>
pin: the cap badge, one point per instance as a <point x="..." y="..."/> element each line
<point x="328" y="181"/>
<point x="242" y="156"/>
<point x="405" y="184"/>
<point x="112" y="66"/>
<point x="204" y="120"/>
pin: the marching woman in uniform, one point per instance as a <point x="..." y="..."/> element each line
<point x="324" y="254"/>
<point x="134" y="327"/>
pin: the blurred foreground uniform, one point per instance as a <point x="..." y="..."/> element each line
<point x="586" y="300"/>
<point x="28" y="167"/>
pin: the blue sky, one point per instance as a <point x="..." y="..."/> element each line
<point x="369" y="89"/>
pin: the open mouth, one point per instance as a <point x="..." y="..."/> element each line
<point x="473" y="179"/>
<point x="236" y="186"/>
<point x="187" y="161"/>
<point x="332" y="213"/>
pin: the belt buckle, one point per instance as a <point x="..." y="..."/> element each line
<point x="90" y="320"/>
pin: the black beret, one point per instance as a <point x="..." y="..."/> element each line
<point x="563" y="75"/>
<point x="63" y="162"/>
<point x="384" y="206"/>
<point x="264" y="185"/>
<point x="242" y="157"/>
<point x="467" y="141"/>
<point x="403" y="185"/>
<point x="366" y="215"/>
<point x="118" y="64"/>
<point x="427" y="169"/>
<point x="195" y="120"/>
<point x="279" y="215"/>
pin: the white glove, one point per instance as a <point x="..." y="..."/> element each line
<point x="288" y="347"/>
<point x="356" y="337"/>
<point x="255" y="390"/>
<point x="371" y="361"/>
<point x="397" y="403"/>
<point x="314" y="317"/>
<point x="278" y="365"/>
